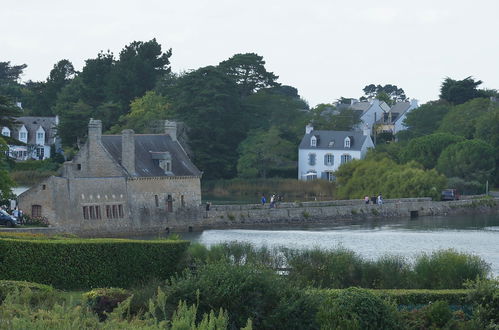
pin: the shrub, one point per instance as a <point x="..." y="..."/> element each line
<point x="356" y="308"/>
<point x="388" y="272"/>
<point x="104" y="300"/>
<point x="246" y="291"/>
<point x="87" y="263"/>
<point x="339" y="268"/>
<point x="448" y="269"/>
<point x="484" y="295"/>
<point x="37" y="292"/>
<point x="438" y="313"/>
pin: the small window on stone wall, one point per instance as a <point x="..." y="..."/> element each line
<point x="182" y="201"/>
<point x="92" y="212"/>
<point x="78" y="167"/>
<point x="120" y="210"/>
<point x="36" y="211"/>
<point x="108" y="212"/>
<point x="115" y="211"/>
<point x="44" y="187"/>
<point x="156" y="200"/>
<point x="85" y="212"/>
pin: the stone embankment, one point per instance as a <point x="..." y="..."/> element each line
<point x="337" y="212"/>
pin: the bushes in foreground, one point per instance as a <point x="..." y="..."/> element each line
<point x="87" y="263"/>
<point x="343" y="268"/>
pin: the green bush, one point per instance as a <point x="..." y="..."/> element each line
<point x="356" y="308"/>
<point x="38" y="292"/>
<point x="448" y="269"/>
<point x="246" y="292"/>
<point x="87" y="263"/>
<point x="484" y="295"/>
<point x="438" y="313"/>
<point x="104" y="300"/>
<point x="37" y="165"/>
<point x="388" y="272"/>
<point x="338" y="268"/>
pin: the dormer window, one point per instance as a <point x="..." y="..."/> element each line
<point x="6" y="131"/>
<point x="331" y="143"/>
<point x="23" y="134"/>
<point x="40" y="136"/>
<point x="347" y="142"/>
<point x="164" y="160"/>
<point x="313" y="141"/>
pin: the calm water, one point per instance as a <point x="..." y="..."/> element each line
<point x="406" y="237"/>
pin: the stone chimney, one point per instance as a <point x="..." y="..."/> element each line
<point x="94" y="131"/>
<point x="128" y="151"/>
<point x="171" y="129"/>
<point x="309" y="128"/>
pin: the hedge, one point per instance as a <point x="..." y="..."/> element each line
<point x="89" y="263"/>
<point x="39" y="291"/>
<point x="409" y="297"/>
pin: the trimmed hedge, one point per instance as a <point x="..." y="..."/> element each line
<point x="409" y="297"/>
<point x="40" y="292"/>
<point x="89" y="263"/>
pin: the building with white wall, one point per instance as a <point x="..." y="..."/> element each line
<point x="321" y="153"/>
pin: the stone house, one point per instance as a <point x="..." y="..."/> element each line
<point x="37" y="135"/>
<point x="321" y="152"/>
<point x="120" y="184"/>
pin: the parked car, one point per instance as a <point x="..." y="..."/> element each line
<point x="7" y="220"/>
<point x="449" y="195"/>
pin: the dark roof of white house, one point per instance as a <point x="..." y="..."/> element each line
<point x="334" y="140"/>
<point x="149" y="145"/>
<point x="400" y="107"/>
<point x="32" y="124"/>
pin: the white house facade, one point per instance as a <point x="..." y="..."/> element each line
<point x="321" y="153"/>
<point x="37" y="135"/>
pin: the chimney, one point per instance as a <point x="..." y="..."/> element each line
<point x="171" y="129"/>
<point x="94" y="131"/>
<point x="128" y="151"/>
<point x="309" y="128"/>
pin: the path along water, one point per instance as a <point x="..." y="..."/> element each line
<point x="477" y="234"/>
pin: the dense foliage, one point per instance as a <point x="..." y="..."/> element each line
<point x="79" y="263"/>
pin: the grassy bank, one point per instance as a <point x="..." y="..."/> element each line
<point x="252" y="189"/>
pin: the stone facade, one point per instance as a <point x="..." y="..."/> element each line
<point x="115" y="184"/>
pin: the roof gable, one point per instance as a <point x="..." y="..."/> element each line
<point x="334" y="140"/>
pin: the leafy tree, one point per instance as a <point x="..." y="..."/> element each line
<point x="8" y="112"/>
<point x="9" y="80"/>
<point x="139" y="67"/>
<point x="388" y="93"/>
<point x="470" y="160"/>
<point x="144" y="111"/>
<point x="426" y="149"/>
<point x="462" y="119"/>
<point x="209" y="103"/>
<point x="6" y="182"/>
<point x="460" y="91"/>
<point x="372" y="176"/>
<point x="425" y="119"/>
<point x="328" y="117"/>
<point x="263" y="150"/>
<point x="95" y="76"/>
<point x="248" y="72"/>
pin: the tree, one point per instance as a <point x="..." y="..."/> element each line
<point x="461" y="91"/>
<point x="8" y="112"/>
<point x="138" y="69"/>
<point x="462" y="119"/>
<point x="248" y="72"/>
<point x="263" y="150"/>
<point x="328" y="117"/>
<point x="209" y="103"/>
<point x="469" y="159"/>
<point x="425" y="119"/>
<point x="144" y="112"/>
<point x="388" y="93"/>
<point x="426" y="149"/>
<point x="95" y="76"/>
<point x="6" y="182"/>
<point x="372" y="176"/>
<point x="9" y="80"/>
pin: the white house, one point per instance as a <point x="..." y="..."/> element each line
<point x="371" y="112"/>
<point x="37" y="135"/>
<point x="321" y="152"/>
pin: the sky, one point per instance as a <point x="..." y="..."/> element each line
<point x="326" y="49"/>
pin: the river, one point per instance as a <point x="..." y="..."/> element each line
<point x="477" y="234"/>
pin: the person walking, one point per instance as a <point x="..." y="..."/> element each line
<point x="380" y="199"/>
<point x="272" y="201"/>
<point x="366" y="199"/>
<point x="264" y="200"/>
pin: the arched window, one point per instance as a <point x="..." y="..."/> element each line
<point x="345" y="158"/>
<point x="347" y="142"/>
<point x="328" y="159"/>
<point x="311" y="159"/>
<point x="313" y="141"/>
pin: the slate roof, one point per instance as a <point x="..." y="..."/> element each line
<point x="145" y="145"/>
<point x="400" y="107"/>
<point x="32" y="124"/>
<point x="325" y="137"/>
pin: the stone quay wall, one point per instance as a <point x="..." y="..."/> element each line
<point x="285" y="215"/>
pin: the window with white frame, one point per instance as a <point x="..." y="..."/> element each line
<point x="345" y="158"/>
<point x="347" y="142"/>
<point x="6" y="131"/>
<point x="40" y="136"/>
<point x="313" y="141"/>
<point x="22" y="136"/>
<point x="328" y="159"/>
<point x="311" y="159"/>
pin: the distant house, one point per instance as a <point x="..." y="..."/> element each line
<point x="37" y="135"/>
<point x="393" y="120"/>
<point x="321" y="152"/>
<point x="120" y="183"/>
